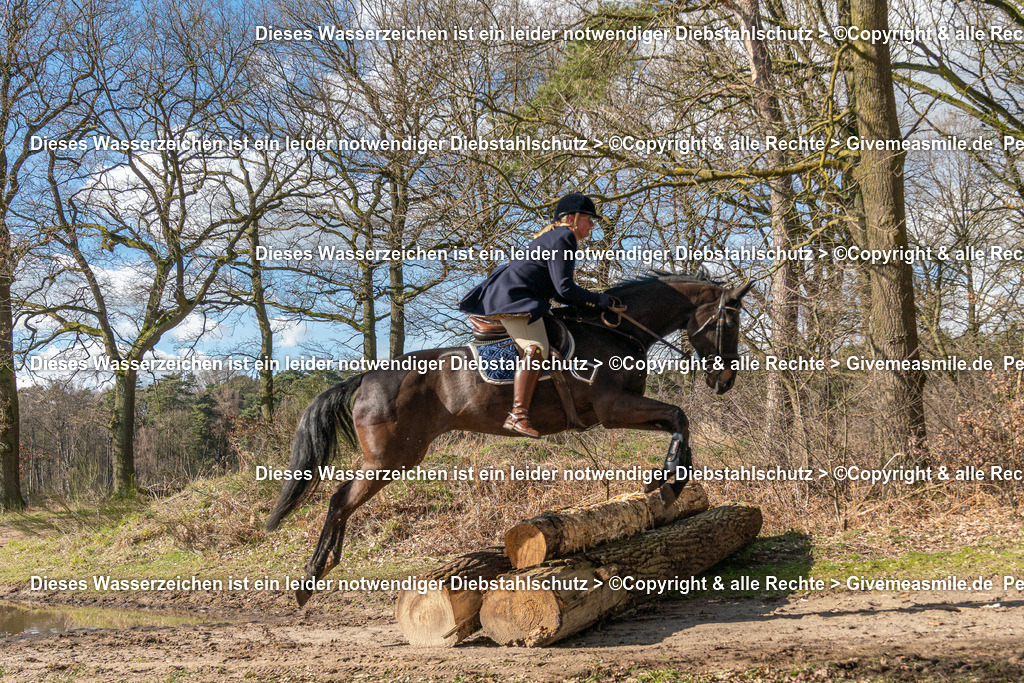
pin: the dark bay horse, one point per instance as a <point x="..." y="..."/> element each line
<point x="394" y="415"/>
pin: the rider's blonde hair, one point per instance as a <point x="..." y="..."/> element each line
<point x="565" y="220"/>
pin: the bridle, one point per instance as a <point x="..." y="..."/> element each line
<point x="719" y="320"/>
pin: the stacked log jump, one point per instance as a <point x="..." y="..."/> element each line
<point x="552" y="578"/>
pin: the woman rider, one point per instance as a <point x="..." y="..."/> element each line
<point x="518" y="293"/>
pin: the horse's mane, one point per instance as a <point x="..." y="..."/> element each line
<point x="654" y="275"/>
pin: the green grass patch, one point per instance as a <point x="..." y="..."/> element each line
<point x="968" y="563"/>
<point x="790" y="556"/>
<point x="213" y="529"/>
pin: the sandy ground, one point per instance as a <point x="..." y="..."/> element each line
<point x="342" y="637"/>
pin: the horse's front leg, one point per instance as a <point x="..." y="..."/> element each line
<point x="639" y="412"/>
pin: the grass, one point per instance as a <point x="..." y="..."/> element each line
<point x="790" y="556"/>
<point x="213" y="528"/>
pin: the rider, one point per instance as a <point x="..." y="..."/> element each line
<point x="518" y="294"/>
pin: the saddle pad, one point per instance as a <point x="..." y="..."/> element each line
<point x="497" y="360"/>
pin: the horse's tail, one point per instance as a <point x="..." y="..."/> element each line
<point x="326" y="419"/>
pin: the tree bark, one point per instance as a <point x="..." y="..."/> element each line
<point x="557" y="534"/>
<point x="396" y="272"/>
<point x="880" y="177"/>
<point x="259" y="305"/>
<point x="122" y="427"/>
<point x="10" y="456"/>
<point x="442" y="618"/>
<point x="579" y="593"/>
<point x="369" y="326"/>
<point x="779" y="408"/>
<point x="397" y="287"/>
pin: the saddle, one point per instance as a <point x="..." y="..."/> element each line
<point x="490" y="330"/>
<point x="492" y="341"/>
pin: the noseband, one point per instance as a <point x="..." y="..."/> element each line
<point x="719" y="320"/>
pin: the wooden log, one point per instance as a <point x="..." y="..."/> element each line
<point x="541" y="605"/>
<point x="557" y="534"/>
<point x="443" y="617"/>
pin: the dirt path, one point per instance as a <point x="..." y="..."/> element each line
<point x="944" y="636"/>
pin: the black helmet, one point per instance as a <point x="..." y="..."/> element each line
<point x="576" y="202"/>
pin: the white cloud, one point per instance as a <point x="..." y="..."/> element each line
<point x="83" y="366"/>
<point x="66" y="364"/>
<point x="290" y="333"/>
<point x="197" y="325"/>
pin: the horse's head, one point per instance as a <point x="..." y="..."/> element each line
<point x="714" y="332"/>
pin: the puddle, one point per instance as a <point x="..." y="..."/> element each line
<point x="16" y="618"/>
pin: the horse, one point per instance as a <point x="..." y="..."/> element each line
<point x="394" y="415"/>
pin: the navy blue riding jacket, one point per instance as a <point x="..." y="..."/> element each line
<point x="526" y="285"/>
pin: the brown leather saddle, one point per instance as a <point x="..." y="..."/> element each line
<point x="487" y="330"/>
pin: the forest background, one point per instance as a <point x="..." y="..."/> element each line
<point x="118" y="248"/>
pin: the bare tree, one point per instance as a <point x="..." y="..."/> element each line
<point x="879" y="175"/>
<point x="46" y="86"/>
<point x="141" y="234"/>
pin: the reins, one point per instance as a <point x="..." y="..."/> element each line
<point x="622" y="316"/>
<point x="718" y="318"/>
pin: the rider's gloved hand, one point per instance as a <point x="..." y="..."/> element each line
<point x="605" y="301"/>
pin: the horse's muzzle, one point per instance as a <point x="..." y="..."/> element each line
<point x="720" y="381"/>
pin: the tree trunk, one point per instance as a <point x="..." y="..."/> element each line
<point x="779" y="409"/>
<point x="369" y="314"/>
<point x="266" y="370"/>
<point x="10" y="456"/>
<point x="122" y="426"/>
<point x="557" y="534"/>
<point x="397" y="335"/>
<point x="442" y="618"/>
<point x="855" y="198"/>
<point x="578" y="591"/>
<point x="366" y="271"/>
<point x="259" y="305"/>
<point x="880" y="176"/>
<point x="396" y="272"/>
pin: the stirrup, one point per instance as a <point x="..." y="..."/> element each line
<point x="514" y="423"/>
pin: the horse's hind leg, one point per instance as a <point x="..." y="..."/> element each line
<point x="385" y="449"/>
<point x="346" y="500"/>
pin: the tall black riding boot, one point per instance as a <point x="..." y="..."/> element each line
<point x="527" y="374"/>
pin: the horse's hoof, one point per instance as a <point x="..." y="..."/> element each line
<point x="302" y="596"/>
<point x="668" y="494"/>
<point x="659" y="476"/>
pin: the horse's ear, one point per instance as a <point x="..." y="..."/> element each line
<point x="738" y="293"/>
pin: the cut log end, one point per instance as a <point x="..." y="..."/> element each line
<point x="526" y="545"/>
<point x="442" y="617"/>
<point x="520" y="617"/>
<point x="426" y="619"/>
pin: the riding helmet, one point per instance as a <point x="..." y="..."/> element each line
<point x="577" y="202"/>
